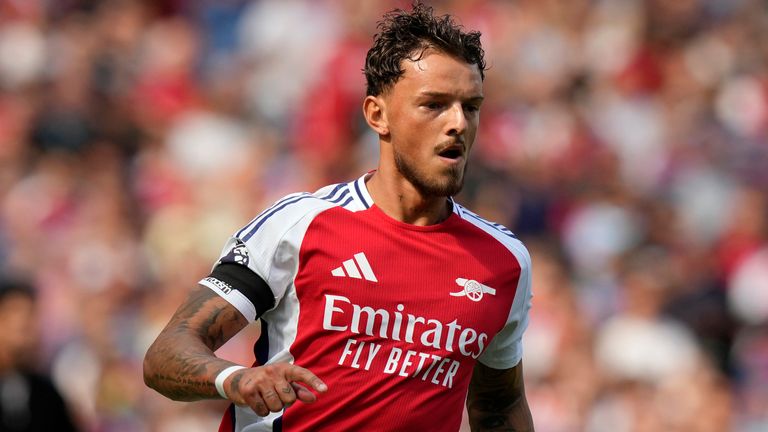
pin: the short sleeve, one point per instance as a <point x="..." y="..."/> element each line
<point x="506" y="348"/>
<point x="269" y="246"/>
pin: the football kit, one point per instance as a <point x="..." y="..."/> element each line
<point x="391" y="316"/>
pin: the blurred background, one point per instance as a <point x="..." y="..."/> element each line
<point x="625" y="141"/>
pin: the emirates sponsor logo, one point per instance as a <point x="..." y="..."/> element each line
<point x="342" y="315"/>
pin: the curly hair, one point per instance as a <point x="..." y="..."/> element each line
<point x="406" y="35"/>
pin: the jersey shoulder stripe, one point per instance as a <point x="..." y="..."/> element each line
<point x="497" y="231"/>
<point x="280" y="205"/>
<point x="464" y="213"/>
<point x="338" y="194"/>
<point x="255" y="220"/>
<point x="360" y="195"/>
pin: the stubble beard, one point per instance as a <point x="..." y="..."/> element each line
<point x="448" y="184"/>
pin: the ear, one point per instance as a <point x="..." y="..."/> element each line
<point x="375" y="115"/>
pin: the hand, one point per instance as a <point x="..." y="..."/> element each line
<point x="272" y="387"/>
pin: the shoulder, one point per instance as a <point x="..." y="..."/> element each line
<point x="292" y="209"/>
<point x="495" y="231"/>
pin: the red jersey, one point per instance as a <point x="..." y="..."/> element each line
<point x="391" y="316"/>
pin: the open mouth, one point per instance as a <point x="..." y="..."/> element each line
<point x="452" y="153"/>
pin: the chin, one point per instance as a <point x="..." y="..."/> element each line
<point x="443" y="189"/>
<point x="435" y="181"/>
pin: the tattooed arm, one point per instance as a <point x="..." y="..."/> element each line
<point x="182" y="366"/>
<point x="496" y="400"/>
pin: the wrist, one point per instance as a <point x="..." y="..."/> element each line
<point x="222" y="376"/>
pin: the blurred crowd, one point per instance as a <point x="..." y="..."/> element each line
<point x="625" y="141"/>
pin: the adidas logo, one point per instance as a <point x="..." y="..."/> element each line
<point x="354" y="267"/>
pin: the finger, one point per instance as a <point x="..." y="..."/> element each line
<point x="303" y="394"/>
<point x="257" y="405"/>
<point x="272" y="399"/>
<point x="286" y="392"/>
<point x="298" y="373"/>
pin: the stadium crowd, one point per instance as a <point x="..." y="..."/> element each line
<point x="625" y="141"/>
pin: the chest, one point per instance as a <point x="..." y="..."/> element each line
<point x="370" y="277"/>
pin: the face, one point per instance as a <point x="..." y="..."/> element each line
<point x="432" y="115"/>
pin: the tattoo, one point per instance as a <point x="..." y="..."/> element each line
<point x="176" y="381"/>
<point x="181" y="364"/>
<point x="286" y="390"/>
<point x="236" y="381"/>
<point x="260" y="407"/>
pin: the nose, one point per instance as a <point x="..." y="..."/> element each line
<point x="458" y="120"/>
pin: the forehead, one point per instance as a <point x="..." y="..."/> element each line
<point x="438" y="72"/>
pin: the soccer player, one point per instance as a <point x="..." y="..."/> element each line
<point x="385" y="305"/>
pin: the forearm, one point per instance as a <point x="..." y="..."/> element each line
<point x="181" y="363"/>
<point x="497" y="402"/>
<point x="182" y="369"/>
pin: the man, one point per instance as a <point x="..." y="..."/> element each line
<point x="28" y="401"/>
<point x="382" y="300"/>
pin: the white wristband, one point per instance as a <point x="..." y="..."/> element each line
<point x="222" y="376"/>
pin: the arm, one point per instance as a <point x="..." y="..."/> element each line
<point x="496" y="400"/>
<point x="181" y="363"/>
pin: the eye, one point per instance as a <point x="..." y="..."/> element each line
<point x="472" y="108"/>
<point x="434" y="106"/>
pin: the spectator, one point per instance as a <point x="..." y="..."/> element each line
<point x="609" y="127"/>
<point x="29" y="401"/>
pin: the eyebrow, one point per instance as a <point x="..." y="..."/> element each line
<point x="428" y="94"/>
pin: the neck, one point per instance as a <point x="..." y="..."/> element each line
<point x="400" y="200"/>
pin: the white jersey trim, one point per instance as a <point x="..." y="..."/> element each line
<point x="273" y="240"/>
<point x="361" y="191"/>
<point x="264" y="235"/>
<point x="506" y="348"/>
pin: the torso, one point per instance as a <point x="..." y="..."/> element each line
<point x="402" y="340"/>
<point x="391" y="316"/>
